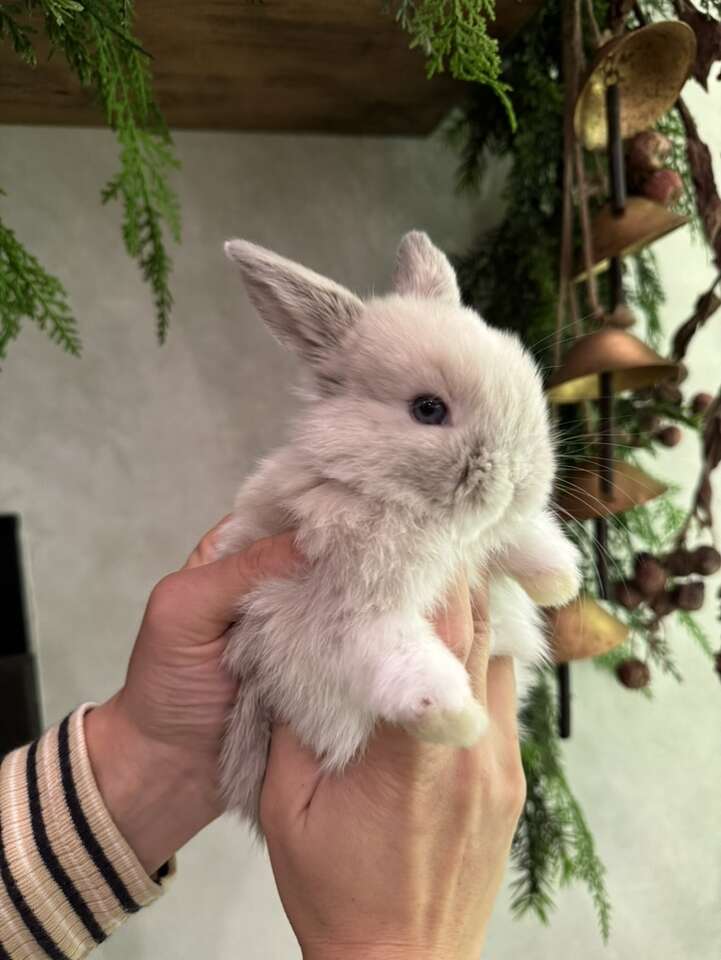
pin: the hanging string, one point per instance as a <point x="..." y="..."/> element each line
<point x="588" y="4"/>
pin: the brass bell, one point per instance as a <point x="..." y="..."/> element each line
<point x="631" y="363"/>
<point x="642" y="222"/>
<point x="581" y="498"/>
<point x="650" y="66"/>
<point x="583" y="629"/>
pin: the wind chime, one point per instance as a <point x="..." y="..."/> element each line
<point x="633" y="81"/>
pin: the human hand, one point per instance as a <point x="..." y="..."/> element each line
<point x="403" y="855"/>
<point x="154" y="746"/>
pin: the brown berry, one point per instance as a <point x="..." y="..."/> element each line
<point x="622" y="316"/>
<point x="649" y="575"/>
<point x="689" y="596"/>
<point x="680" y="563"/>
<point x="669" y="436"/>
<point x="648" y="150"/>
<point x="663" y="186"/>
<point x="706" y="561"/>
<point x="633" y="673"/>
<point x="627" y="594"/>
<point x="663" y="604"/>
<point x="701" y="402"/>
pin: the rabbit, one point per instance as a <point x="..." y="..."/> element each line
<point x="421" y="452"/>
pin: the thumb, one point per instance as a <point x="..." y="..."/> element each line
<point x="292" y="775"/>
<point x="207" y="597"/>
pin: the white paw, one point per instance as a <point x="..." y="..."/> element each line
<point x="553" y="588"/>
<point x="438" y="704"/>
<point x="462" y="728"/>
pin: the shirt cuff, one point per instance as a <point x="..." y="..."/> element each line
<point x="67" y="876"/>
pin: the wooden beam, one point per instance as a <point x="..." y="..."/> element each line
<point x="313" y="65"/>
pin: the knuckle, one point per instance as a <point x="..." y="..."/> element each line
<point x="163" y="599"/>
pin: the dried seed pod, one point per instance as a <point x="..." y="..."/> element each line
<point x="680" y="563"/>
<point x="649" y="575"/>
<point x="701" y="402"/>
<point x="689" y="596"/>
<point x="706" y="561"/>
<point x="663" y="604"/>
<point x="663" y="186"/>
<point x="633" y="673"/>
<point x="669" y="393"/>
<point x="627" y="594"/>
<point x="669" y="436"/>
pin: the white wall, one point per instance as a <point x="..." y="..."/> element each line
<point x="119" y="461"/>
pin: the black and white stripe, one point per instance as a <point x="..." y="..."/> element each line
<point x="49" y="857"/>
<point x="34" y="926"/>
<point x="80" y="822"/>
<point x="42" y="830"/>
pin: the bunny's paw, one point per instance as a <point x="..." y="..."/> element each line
<point x="552" y="588"/>
<point x="461" y="728"/>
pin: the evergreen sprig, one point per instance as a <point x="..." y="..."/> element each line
<point x="28" y="291"/>
<point x="453" y="35"/>
<point x="95" y="37"/>
<point x="553" y="845"/>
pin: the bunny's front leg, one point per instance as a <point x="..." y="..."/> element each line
<point x="411" y="678"/>
<point x="544" y="561"/>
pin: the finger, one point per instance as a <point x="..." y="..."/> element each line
<point x="213" y="591"/>
<point x="292" y="775"/>
<point x="502" y="701"/>
<point x="477" y="663"/>
<point x="205" y="551"/>
<point x="454" y="623"/>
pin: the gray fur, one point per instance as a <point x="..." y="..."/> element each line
<point x="388" y="512"/>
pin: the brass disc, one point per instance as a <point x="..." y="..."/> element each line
<point x="583" y="629"/>
<point x="632" y="363"/>
<point x="580" y="498"/>
<point x="650" y="65"/>
<point x="643" y="222"/>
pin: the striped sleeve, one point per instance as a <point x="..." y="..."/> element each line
<point x="67" y="876"/>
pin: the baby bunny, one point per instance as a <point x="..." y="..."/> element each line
<point x="421" y="453"/>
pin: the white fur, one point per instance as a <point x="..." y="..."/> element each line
<point x="388" y="511"/>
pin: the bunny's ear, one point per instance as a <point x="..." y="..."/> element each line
<point x="423" y="271"/>
<point x="306" y="312"/>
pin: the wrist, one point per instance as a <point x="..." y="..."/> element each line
<point x="158" y="795"/>
<point x="345" y="950"/>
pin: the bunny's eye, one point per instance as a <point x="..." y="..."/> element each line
<point x="429" y="410"/>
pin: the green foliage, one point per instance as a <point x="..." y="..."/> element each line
<point x="510" y="274"/>
<point x="18" y="33"/>
<point x="671" y="125"/>
<point x="453" y="34"/>
<point x="696" y="633"/>
<point x="28" y="291"/>
<point x="646" y="293"/>
<point x="96" y="39"/>
<point x="553" y="844"/>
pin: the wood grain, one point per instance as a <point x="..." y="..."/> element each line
<point x="313" y="65"/>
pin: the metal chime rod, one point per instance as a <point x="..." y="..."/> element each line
<point x="563" y="674"/>
<point x="617" y="172"/>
